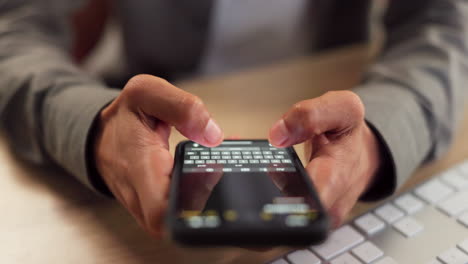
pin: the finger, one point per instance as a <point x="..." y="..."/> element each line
<point x="343" y="205"/>
<point x="151" y="181"/>
<point x="130" y="200"/>
<point x="341" y="208"/>
<point x="325" y="174"/>
<point x="158" y="98"/>
<point x="334" y="111"/>
<point x="152" y="185"/>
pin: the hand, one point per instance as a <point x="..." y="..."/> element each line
<point x="131" y="146"/>
<point x="343" y="152"/>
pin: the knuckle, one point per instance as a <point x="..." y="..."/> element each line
<point x="191" y="101"/>
<point x="301" y="108"/>
<point x="153" y="223"/>
<point x="141" y="84"/>
<point x="191" y="104"/>
<point x="353" y="101"/>
<point x="306" y="114"/>
<point x="135" y="87"/>
<point x="137" y="81"/>
<point x="338" y="215"/>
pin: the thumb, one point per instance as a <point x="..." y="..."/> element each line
<point x="158" y="98"/>
<point x="331" y="112"/>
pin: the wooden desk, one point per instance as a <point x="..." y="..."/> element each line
<point x="48" y="218"/>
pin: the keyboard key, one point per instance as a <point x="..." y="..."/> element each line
<point x="243" y="161"/>
<point x="253" y="161"/>
<point x="455" y="180"/>
<point x="433" y="191"/>
<point x="215" y="153"/>
<point x="237" y="157"/>
<point x="267" y="152"/>
<point x="247" y="157"/>
<point x="264" y="161"/>
<point x="346" y="258"/>
<point x="268" y="157"/>
<point x="455" y="204"/>
<point x="216" y="157"/>
<point x="245" y="169"/>
<point x="369" y="224"/>
<point x="463" y="245"/>
<point x="367" y="252"/>
<point x="188" y="162"/>
<point x="227" y="169"/>
<point x="236" y="153"/>
<point x="275" y="161"/>
<point x="226" y="157"/>
<point x="246" y="153"/>
<point x="205" y="157"/>
<point x="279" y="156"/>
<point x="338" y="242"/>
<point x="409" y="203"/>
<point x="190" y="153"/>
<point x="389" y="213"/>
<point x="226" y="153"/>
<point x="205" y="153"/>
<point x="258" y="157"/>
<point x="211" y="162"/>
<point x="463" y="219"/>
<point x="257" y="152"/>
<point x="232" y="161"/>
<point x="303" y="256"/>
<point x="386" y="260"/>
<point x="221" y="161"/>
<point x="199" y="162"/>
<point x="408" y="226"/>
<point x="279" y="261"/>
<point x="194" y="157"/>
<point x="286" y="161"/>
<point x="453" y="256"/>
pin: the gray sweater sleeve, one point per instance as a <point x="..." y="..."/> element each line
<point x="47" y="105"/>
<point x="415" y="92"/>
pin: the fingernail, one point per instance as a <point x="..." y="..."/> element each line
<point x="279" y="133"/>
<point x="212" y="132"/>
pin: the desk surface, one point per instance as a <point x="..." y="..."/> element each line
<point x="48" y="218"/>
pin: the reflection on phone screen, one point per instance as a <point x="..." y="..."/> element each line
<point x="243" y="183"/>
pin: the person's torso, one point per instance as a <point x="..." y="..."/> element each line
<point x="179" y="38"/>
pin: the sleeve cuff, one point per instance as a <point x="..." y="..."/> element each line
<point x="384" y="183"/>
<point x="398" y="121"/>
<point x="71" y="115"/>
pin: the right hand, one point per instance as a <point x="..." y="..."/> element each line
<point x="131" y="146"/>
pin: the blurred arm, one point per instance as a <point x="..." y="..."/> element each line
<point x="47" y="105"/>
<point x="414" y="93"/>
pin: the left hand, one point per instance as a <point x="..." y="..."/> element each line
<point x="342" y="151"/>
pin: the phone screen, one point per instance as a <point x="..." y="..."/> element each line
<point x="243" y="184"/>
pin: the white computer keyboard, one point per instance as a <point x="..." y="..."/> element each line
<point x="427" y="225"/>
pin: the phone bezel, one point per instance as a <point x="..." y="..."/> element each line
<point x="268" y="236"/>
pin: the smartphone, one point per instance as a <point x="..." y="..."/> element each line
<point x="243" y="193"/>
